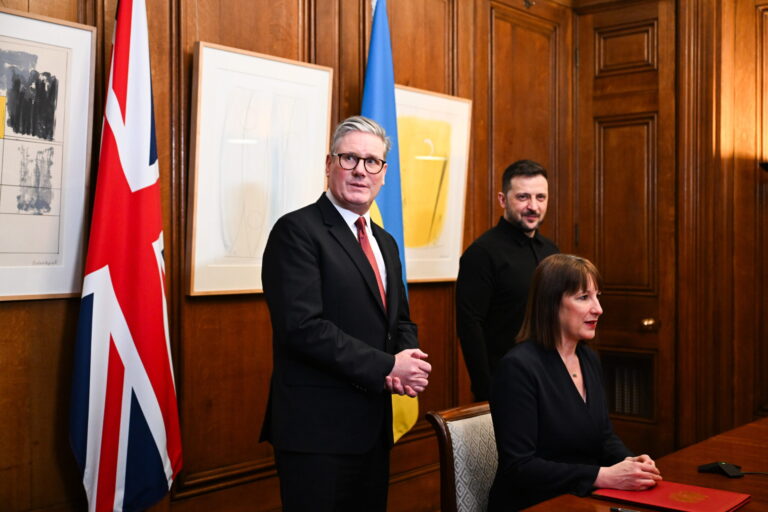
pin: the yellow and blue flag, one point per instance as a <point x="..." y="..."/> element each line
<point x="379" y="105"/>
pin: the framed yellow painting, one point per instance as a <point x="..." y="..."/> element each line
<point x="433" y="136"/>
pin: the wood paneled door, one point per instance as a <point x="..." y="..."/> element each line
<point x="625" y="207"/>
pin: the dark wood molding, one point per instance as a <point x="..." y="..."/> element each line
<point x="695" y="36"/>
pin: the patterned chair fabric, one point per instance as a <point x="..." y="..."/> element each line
<point x="474" y="461"/>
<point x="468" y="457"/>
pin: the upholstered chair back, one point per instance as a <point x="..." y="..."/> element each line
<point x="468" y="456"/>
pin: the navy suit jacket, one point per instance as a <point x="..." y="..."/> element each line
<point x="333" y="341"/>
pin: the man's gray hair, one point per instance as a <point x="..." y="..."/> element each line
<point x="360" y="124"/>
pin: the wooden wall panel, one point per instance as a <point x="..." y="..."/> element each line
<point x="747" y="82"/>
<point x="274" y="28"/>
<point x="106" y="13"/>
<point x="20" y="5"/>
<point x="65" y="10"/>
<point x="760" y="397"/>
<point x="246" y="496"/>
<point x="522" y="129"/>
<point x="227" y="361"/>
<point x="351" y="49"/>
<point x="326" y="25"/>
<point x="422" y="36"/>
<point x="432" y="308"/>
<point x="36" y="339"/>
<point x="626" y="48"/>
<point x="480" y="183"/>
<point x="627" y="143"/>
<point x="522" y="100"/>
<point x="749" y="133"/>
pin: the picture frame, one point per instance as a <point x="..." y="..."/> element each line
<point x="433" y="136"/>
<point x="47" y="66"/>
<point x="260" y="132"/>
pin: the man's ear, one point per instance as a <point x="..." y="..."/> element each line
<point x="502" y="199"/>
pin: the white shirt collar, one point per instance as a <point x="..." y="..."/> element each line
<point x="349" y="216"/>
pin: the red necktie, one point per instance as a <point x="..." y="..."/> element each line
<point x="362" y="237"/>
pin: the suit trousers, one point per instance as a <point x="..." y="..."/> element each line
<point x="334" y="482"/>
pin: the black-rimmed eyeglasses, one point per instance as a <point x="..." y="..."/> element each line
<point x="349" y="161"/>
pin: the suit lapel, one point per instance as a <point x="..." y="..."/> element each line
<point x="343" y="235"/>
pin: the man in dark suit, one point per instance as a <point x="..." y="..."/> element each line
<point x="342" y="337"/>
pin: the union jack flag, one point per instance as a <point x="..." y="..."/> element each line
<point x="124" y="425"/>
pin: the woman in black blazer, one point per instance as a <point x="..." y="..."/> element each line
<point x="548" y="405"/>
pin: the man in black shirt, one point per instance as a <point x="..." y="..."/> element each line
<point x="495" y="273"/>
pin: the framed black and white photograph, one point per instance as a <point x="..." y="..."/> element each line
<point x="46" y="106"/>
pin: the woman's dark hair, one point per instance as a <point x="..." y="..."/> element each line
<point x="556" y="275"/>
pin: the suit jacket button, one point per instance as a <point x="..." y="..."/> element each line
<point x="389" y="337"/>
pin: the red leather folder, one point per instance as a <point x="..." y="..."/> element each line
<point x="674" y="496"/>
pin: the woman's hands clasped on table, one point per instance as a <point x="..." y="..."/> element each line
<point x="631" y="474"/>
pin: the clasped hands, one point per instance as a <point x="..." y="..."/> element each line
<point x="410" y="374"/>
<point x="631" y="474"/>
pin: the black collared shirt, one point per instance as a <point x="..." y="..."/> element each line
<point x="491" y="292"/>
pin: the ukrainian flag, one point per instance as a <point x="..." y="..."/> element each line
<point x="379" y="105"/>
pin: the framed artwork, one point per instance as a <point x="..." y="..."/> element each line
<point x="46" y="98"/>
<point x="260" y="136"/>
<point x="433" y="135"/>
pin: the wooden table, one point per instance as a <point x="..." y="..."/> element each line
<point x="745" y="446"/>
